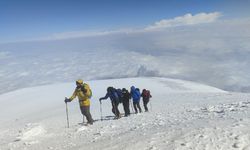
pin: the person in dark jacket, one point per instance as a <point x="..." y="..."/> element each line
<point x="113" y="96"/>
<point x="145" y="97"/>
<point x="135" y="94"/>
<point x="125" y="101"/>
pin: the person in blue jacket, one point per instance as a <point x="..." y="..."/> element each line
<point x="135" y="94"/>
<point x="113" y="96"/>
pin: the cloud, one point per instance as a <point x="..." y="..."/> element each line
<point x="215" y="53"/>
<point x="82" y="34"/>
<point x="187" y="19"/>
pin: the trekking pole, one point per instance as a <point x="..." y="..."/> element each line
<point x="101" y="109"/>
<point x="132" y="106"/>
<point x="67" y="114"/>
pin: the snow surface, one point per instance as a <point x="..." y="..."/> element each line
<point x="183" y="115"/>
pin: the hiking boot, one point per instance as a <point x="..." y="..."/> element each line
<point x="90" y="123"/>
<point x="117" y="117"/>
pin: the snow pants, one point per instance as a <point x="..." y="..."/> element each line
<point x="145" y="103"/>
<point x="115" y="109"/>
<point x="86" y="112"/>
<point x="137" y="105"/>
<point x="126" y="107"/>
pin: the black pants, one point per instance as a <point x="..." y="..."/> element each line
<point x="145" y="103"/>
<point x="115" y="109"/>
<point x="86" y="112"/>
<point x="137" y="105"/>
<point x="126" y="107"/>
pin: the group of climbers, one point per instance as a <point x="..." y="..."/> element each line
<point x="117" y="96"/>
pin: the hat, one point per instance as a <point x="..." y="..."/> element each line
<point x="79" y="81"/>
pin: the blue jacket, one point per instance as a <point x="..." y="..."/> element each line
<point x="112" y="95"/>
<point x="135" y="94"/>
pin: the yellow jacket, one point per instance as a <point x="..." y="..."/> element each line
<point x="83" y="97"/>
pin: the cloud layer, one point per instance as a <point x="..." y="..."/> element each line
<point x="215" y="53"/>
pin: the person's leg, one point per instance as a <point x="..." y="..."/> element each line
<point x="117" y="110"/>
<point x="139" y="107"/>
<point x="113" y="108"/>
<point x="134" y="104"/>
<point x="124" y="107"/>
<point x="82" y="110"/>
<point x="146" y="105"/>
<point x="86" y="112"/>
<point x="127" y="109"/>
<point x="88" y="115"/>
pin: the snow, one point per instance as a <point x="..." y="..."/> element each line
<point x="182" y="115"/>
<point x="30" y="132"/>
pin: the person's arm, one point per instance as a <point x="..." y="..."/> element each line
<point x="73" y="96"/>
<point x="105" y="97"/>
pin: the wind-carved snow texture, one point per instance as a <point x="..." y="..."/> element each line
<point x="225" y="108"/>
<point x="182" y="115"/>
<point x="30" y="132"/>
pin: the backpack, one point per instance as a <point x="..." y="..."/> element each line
<point x="146" y="94"/>
<point x="86" y="87"/>
<point x="137" y="93"/>
<point x="114" y="95"/>
<point x="119" y="92"/>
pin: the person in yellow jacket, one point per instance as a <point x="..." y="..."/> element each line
<point x="83" y="93"/>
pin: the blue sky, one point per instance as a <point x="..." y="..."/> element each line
<point x="28" y="19"/>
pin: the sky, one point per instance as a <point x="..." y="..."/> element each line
<point x="33" y="19"/>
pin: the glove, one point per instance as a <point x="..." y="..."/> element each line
<point x="67" y="100"/>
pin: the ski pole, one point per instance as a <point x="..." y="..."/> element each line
<point x="101" y="109"/>
<point x="67" y="114"/>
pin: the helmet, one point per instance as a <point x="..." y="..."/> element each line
<point x="79" y="81"/>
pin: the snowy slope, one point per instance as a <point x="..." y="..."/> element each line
<point x="183" y="115"/>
